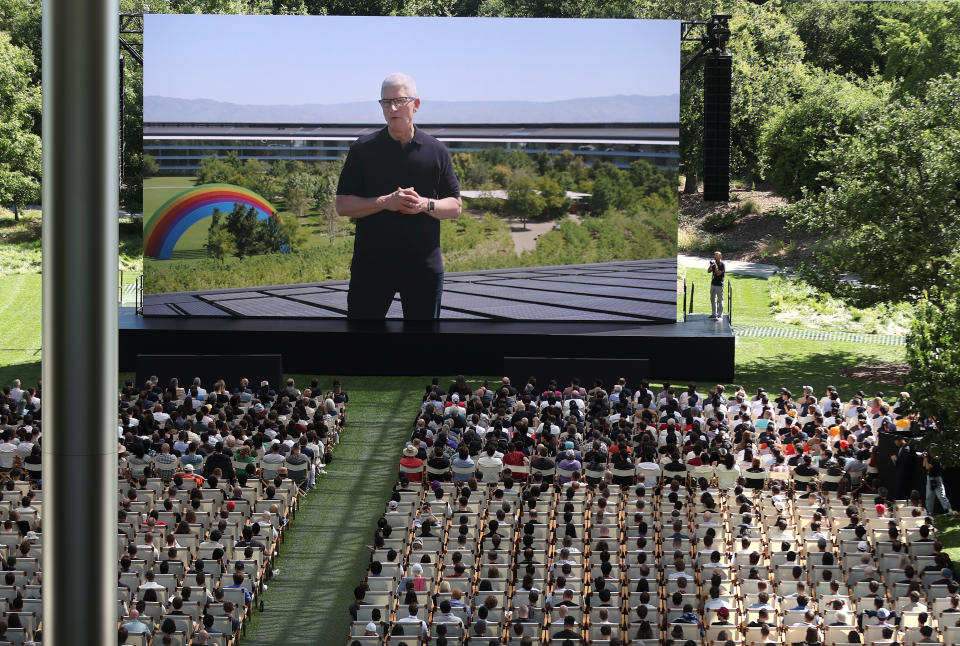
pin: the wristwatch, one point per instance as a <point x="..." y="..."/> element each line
<point x="431" y="206"/>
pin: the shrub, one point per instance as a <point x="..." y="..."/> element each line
<point x="749" y="207"/>
<point x="720" y="221"/>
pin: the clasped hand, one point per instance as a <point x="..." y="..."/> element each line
<point x="406" y="200"/>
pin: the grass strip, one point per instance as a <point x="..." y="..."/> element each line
<point x="323" y="555"/>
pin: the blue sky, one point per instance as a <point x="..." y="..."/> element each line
<point x="334" y="59"/>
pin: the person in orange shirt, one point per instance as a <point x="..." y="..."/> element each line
<point x="188" y="474"/>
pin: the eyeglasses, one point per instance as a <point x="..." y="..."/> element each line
<point x="398" y="102"/>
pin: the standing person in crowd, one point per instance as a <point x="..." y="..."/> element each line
<point x="719" y="271"/>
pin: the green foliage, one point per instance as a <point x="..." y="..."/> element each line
<point x="501" y="175"/>
<point x="271" y="235"/>
<point x="923" y="42"/>
<point x="791" y="141"/>
<point x="555" y="200"/>
<point x="768" y="73"/>
<point x="843" y="37"/>
<point x="611" y="188"/>
<point x="720" y="221"/>
<point x="219" y="241"/>
<point x="150" y="165"/>
<point x="749" y="207"/>
<point x="692" y="241"/>
<point x="20" y="153"/>
<point x="242" y="226"/>
<point x="523" y="201"/>
<point x="214" y="170"/>
<point x="888" y="207"/>
<point x="794" y="302"/>
<point x="293" y="234"/>
<point x="299" y="192"/>
<point x="933" y="351"/>
<point x="324" y="262"/>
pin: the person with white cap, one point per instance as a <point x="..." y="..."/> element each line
<point x="370" y="630"/>
<point x="188" y="474"/>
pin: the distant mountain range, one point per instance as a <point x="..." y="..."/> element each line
<point x="611" y="109"/>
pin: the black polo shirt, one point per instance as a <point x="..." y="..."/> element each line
<point x="377" y="165"/>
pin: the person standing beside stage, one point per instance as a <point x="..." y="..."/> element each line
<point x="935" y="488"/>
<point x="904" y="466"/>
<point x="719" y="271"/>
<point x="398" y="183"/>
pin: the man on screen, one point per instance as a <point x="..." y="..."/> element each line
<point x="398" y="183"/>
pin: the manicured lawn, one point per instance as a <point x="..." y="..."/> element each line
<point x="20" y="328"/>
<point x="948" y="531"/>
<point x="794" y="363"/>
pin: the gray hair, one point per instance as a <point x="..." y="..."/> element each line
<point x="400" y="79"/>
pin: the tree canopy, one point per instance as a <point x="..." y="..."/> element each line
<point x="888" y="205"/>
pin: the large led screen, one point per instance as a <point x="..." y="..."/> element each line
<point x="316" y="166"/>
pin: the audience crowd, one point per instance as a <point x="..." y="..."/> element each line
<point x="568" y="513"/>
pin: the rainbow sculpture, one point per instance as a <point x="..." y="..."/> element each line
<point x="183" y="210"/>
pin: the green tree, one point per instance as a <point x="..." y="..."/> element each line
<point x="648" y="180"/>
<point x="299" y="192"/>
<point x="768" y="72"/>
<point x="611" y="189"/>
<point x="792" y="139"/>
<point x="21" y="19"/>
<point x="20" y="152"/>
<point x="555" y="200"/>
<point x="150" y="166"/>
<point x="325" y="196"/>
<point x="296" y="236"/>
<point x="933" y="351"/>
<point x="271" y="235"/>
<point x="922" y="41"/>
<point x="215" y="170"/>
<point x="501" y="175"/>
<point x="242" y="227"/>
<point x="219" y="240"/>
<point x="523" y="201"/>
<point x="842" y="37"/>
<point x="888" y="207"/>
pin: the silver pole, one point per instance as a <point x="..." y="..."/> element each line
<point x="80" y="242"/>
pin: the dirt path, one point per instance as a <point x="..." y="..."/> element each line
<point x="526" y="240"/>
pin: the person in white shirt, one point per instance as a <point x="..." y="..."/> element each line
<point x="201" y="391"/>
<point x="412" y="618"/>
<point x="491" y="458"/>
<point x="159" y="416"/>
<point x="16" y="393"/>
<point x="8" y="450"/>
<point x="716" y="602"/>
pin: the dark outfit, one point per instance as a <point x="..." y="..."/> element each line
<point x="392" y="251"/>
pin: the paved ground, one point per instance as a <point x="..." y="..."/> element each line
<point x="525" y="240"/>
<point x="817" y="335"/>
<point x="733" y="266"/>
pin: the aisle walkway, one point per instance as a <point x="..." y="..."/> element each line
<point x="323" y="556"/>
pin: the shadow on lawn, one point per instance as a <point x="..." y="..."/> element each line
<point x="816" y="368"/>
<point x="27" y="373"/>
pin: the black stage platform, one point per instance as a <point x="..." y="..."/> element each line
<point x="637" y="291"/>
<point x="698" y="349"/>
<point x="519" y="318"/>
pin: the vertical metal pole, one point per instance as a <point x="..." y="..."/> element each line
<point x="80" y="242"/>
